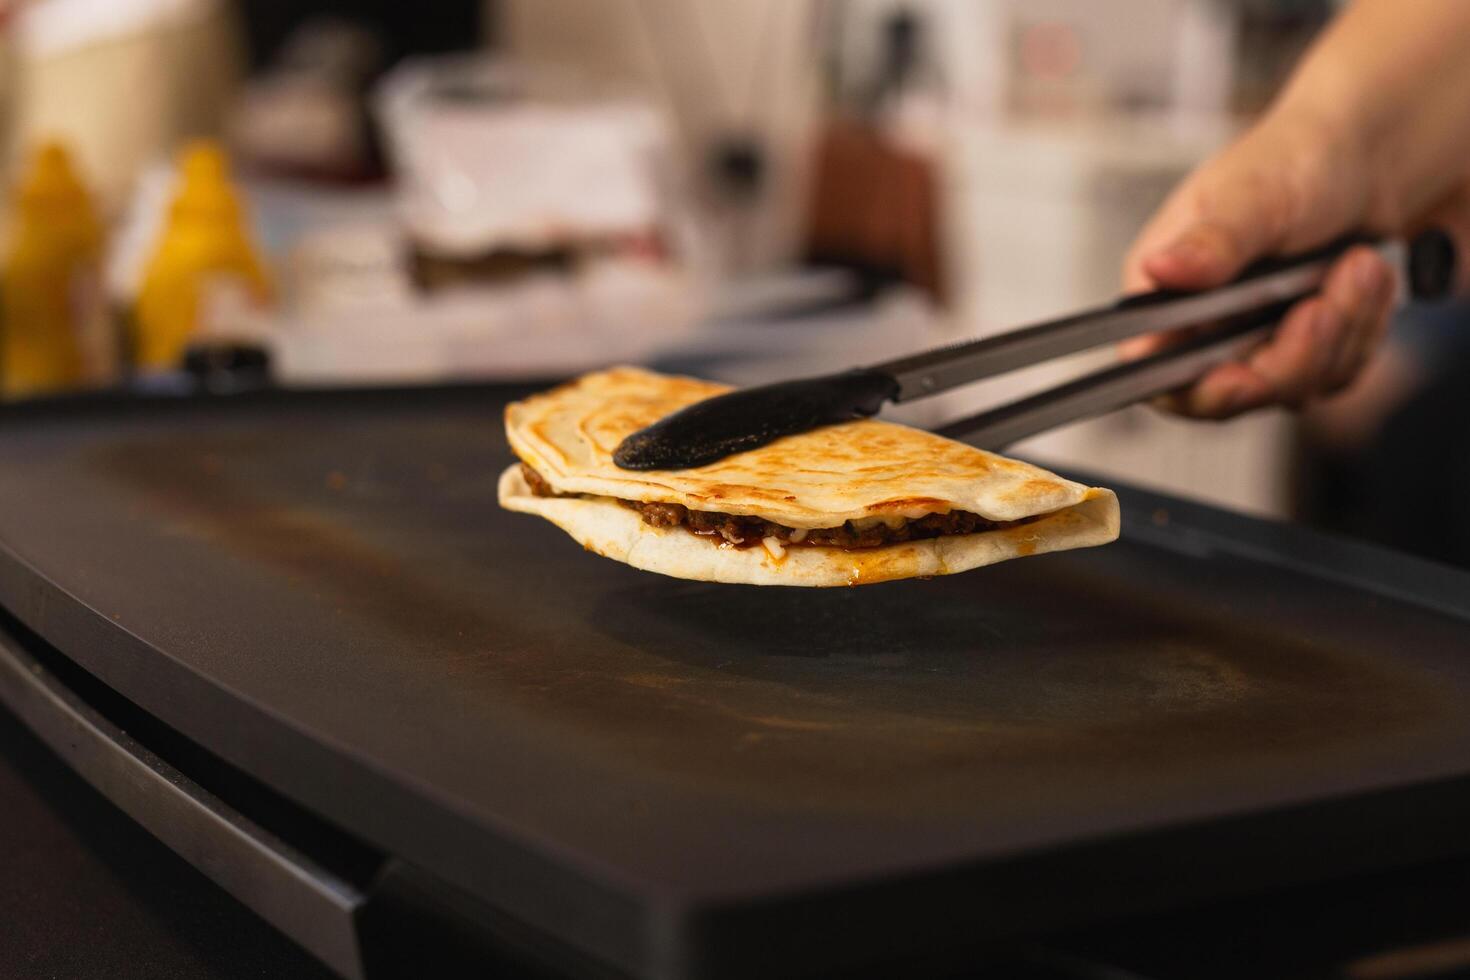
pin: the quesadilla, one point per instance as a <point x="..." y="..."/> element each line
<point x="850" y="504"/>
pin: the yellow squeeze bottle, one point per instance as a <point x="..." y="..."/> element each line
<point x="204" y="249"/>
<point x="50" y="289"/>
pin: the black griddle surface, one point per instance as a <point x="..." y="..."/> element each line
<point x="685" y="778"/>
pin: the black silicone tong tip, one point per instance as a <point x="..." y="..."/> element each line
<point x="708" y="431"/>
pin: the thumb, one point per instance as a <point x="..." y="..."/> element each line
<point x="1281" y="185"/>
<point x="1236" y="220"/>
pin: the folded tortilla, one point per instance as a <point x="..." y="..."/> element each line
<point x="855" y="481"/>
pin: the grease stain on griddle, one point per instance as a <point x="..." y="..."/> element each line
<point x="927" y="678"/>
<point x="902" y="696"/>
<point x="297" y="534"/>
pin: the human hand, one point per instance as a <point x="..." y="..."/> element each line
<point x="1289" y="184"/>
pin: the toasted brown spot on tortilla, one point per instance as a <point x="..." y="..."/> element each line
<point x="932" y="504"/>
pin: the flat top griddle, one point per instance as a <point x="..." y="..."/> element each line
<point x="683" y="779"/>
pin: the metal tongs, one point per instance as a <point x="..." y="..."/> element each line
<point x="1230" y="316"/>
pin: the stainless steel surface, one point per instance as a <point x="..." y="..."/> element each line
<point x="938" y="370"/>
<point x="1107" y="390"/>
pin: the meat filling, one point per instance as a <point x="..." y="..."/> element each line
<point x="744" y="531"/>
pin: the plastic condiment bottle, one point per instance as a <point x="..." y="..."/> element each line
<point x="51" y="303"/>
<point x="204" y="257"/>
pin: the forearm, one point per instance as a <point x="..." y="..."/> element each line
<point x="1393" y="75"/>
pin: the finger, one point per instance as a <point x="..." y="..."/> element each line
<point x="1377" y="335"/>
<point x="1241" y="215"/>
<point x="1206" y="254"/>
<point x="1295" y="364"/>
<point x="1359" y="289"/>
<point x="1284" y="369"/>
<point x="1176" y="215"/>
<point x="1225" y="391"/>
<point x="1378" y="338"/>
<point x="1320" y="346"/>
